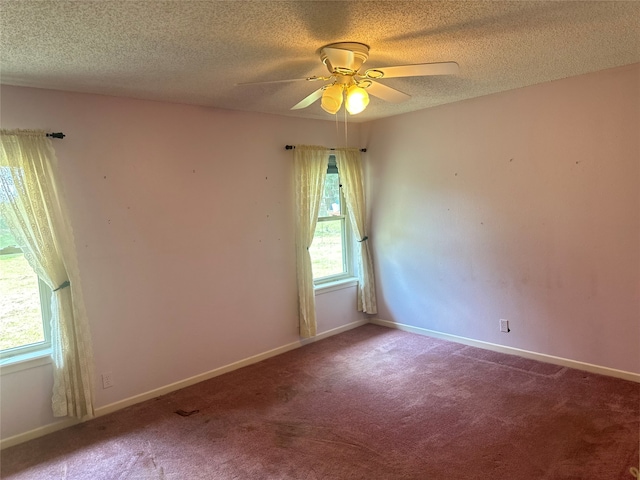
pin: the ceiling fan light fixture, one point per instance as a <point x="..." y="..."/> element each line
<point x="357" y="99"/>
<point x="332" y="98"/>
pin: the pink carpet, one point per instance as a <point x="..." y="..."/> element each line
<point x="371" y="403"/>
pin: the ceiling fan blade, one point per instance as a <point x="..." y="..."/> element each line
<point x="338" y="57"/>
<point x="271" y="81"/>
<point x="307" y="79"/>
<point x="387" y="93"/>
<point x="421" y="69"/>
<point x="308" y="100"/>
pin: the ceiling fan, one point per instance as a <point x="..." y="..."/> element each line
<point x="344" y="60"/>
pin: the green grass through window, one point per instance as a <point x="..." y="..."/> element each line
<point x="326" y="249"/>
<point x="20" y="314"/>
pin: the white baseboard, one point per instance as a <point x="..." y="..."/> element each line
<point x="100" y="411"/>
<point x="38" y="432"/>
<point x="565" y="362"/>
<point x="113" y="407"/>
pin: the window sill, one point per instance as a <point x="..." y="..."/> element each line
<point x="337" y="285"/>
<point x="25" y="361"/>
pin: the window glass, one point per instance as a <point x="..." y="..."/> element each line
<point x="330" y="206"/>
<point x="329" y="250"/>
<point x="21" y="319"/>
<point x="327" y="254"/>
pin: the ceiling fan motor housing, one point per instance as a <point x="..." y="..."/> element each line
<point x="344" y="57"/>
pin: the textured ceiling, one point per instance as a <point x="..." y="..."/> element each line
<point x="196" y="51"/>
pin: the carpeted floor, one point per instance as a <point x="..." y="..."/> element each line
<point x="371" y="403"/>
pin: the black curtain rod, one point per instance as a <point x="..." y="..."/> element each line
<point x="292" y="147"/>
<point x="56" y="135"/>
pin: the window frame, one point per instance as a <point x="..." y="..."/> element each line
<point x="347" y="250"/>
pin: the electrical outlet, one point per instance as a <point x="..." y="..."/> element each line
<point x="107" y="380"/>
<point x="504" y="326"/>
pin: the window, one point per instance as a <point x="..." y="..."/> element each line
<point x="24" y="303"/>
<point x="330" y="250"/>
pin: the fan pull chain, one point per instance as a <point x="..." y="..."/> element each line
<point x="346" y="143"/>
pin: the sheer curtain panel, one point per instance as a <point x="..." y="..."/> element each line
<point x="350" y="170"/>
<point x="310" y="169"/>
<point x="32" y="203"/>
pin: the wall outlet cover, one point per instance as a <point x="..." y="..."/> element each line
<point x="107" y="380"/>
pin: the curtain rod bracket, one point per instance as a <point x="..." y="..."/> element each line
<point x="56" y="135"/>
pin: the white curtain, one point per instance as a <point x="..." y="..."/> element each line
<point x="310" y="168"/>
<point x="33" y="205"/>
<point x="350" y="170"/>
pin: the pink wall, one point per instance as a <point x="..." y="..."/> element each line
<point x="522" y="205"/>
<point x="183" y="218"/>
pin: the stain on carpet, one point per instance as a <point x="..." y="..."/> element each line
<point x="286" y="393"/>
